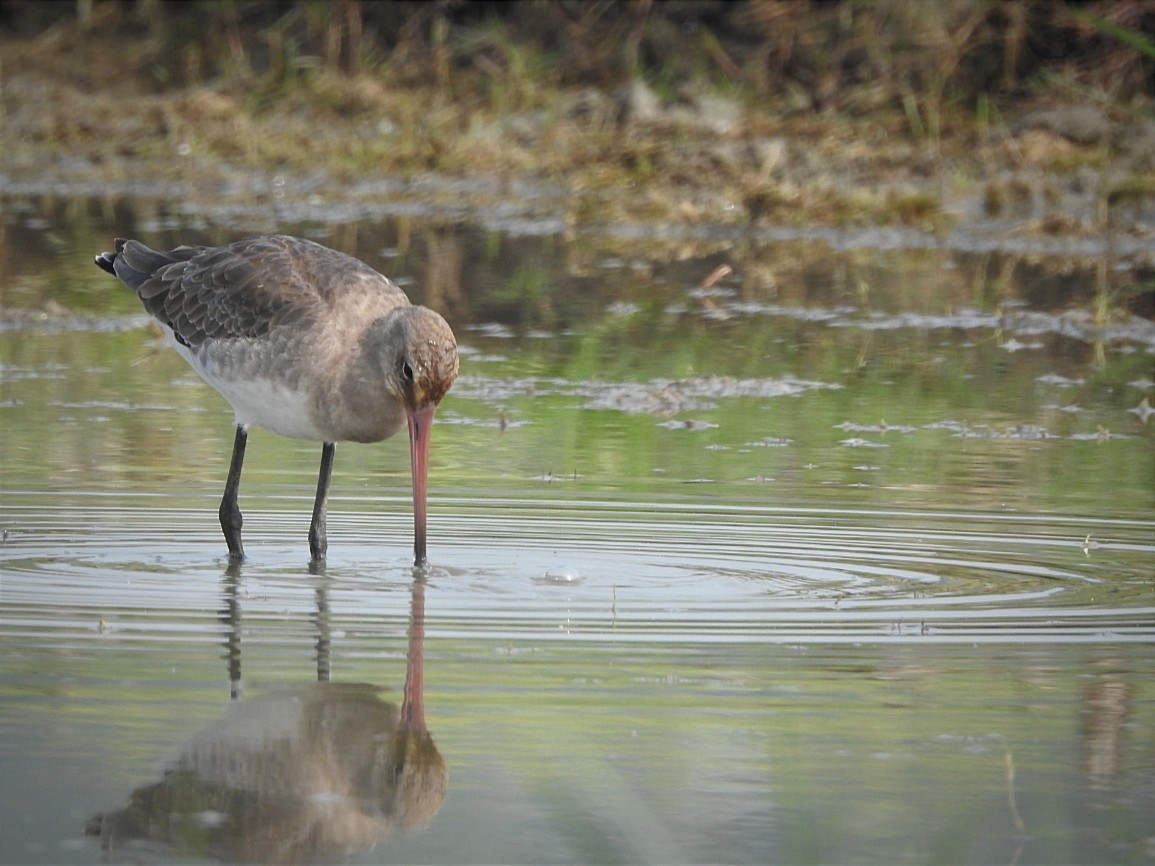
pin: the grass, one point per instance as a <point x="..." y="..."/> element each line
<point x="862" y="91"/>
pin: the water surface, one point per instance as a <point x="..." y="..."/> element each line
<point x="842" y="557"/>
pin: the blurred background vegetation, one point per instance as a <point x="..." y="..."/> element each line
<point x="849" y="56"/>
<point x="857" y="110"/>
<point x="493" y="130"/>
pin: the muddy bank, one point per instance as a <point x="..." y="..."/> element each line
<point x="467" y="111"/>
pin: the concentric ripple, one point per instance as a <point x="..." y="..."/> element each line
<point x="510" y="569"/>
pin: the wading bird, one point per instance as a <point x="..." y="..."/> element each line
<point x="304" y="341"/>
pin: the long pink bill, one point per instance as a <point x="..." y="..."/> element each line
<point x="420" y="423"/>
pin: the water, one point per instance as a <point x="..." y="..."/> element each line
<point x="846" y="557"/>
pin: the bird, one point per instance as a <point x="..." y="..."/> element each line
<point x="303" y="341"/>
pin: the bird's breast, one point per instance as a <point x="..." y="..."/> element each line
<point x="261" y="394"/>
<point x="270" y="404"/>
<point x="274" y="384"/>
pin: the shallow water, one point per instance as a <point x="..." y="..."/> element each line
<point x="846" y="557"/>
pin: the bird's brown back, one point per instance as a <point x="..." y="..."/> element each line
<point x="246" y="288"/>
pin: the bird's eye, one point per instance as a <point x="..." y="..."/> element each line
<point x="407" y="371"/>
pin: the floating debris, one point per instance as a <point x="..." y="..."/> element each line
<point x="476" y="357"/>
<point x="559" y="576"/>
<point x="856" y="442"/>
<point x="1056" y="379"/>
<point x="964" y="319"/>
<point x="656" y="397"/>
<point x="60" y="321"/>
<point x="1143" y="410"/>
<point x="711" y="292"/>
<point x="624" y="309"/>
<point x="1075" y="324"/>
<point x="1030" y="431"/>
<point x="980" y="432"/>
<point x="881" y="427"/>
<point x="1080" y="325"/>
<point x="491" y="329"/>
<point x="697" y="394"/>
<point x="1013" y="345"/>
<point x="771" y="442"/>
<point x="1100" y="435"/>
<point x="494" y="390"/>
<point x="1019" y="431"/>
<point x="688" y="425"/>
<point x="956" y="426"/>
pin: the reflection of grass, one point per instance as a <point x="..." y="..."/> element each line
<point x="907" y="379"/>
<point x="619" y="324"/>
<point x="526" y="291"/>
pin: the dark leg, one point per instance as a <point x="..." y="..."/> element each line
<point x="231" y="512"/>
<point x="318" y="543"/>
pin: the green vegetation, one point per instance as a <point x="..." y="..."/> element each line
<point x="649" y="407"/>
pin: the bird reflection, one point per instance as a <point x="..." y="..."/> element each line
<point x="312" y="773"/>
<point x="1106" y="707"/>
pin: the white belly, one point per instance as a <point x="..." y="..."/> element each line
<point x="256" y="400"/>
<point x="270" y="405"/>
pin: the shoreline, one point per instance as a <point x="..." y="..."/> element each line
<point x="76" y="120"/>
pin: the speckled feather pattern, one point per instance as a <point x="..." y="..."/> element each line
<point x="247" y="288"/>
<point x="300" y="339"/>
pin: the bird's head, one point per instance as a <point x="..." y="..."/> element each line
<point x="420" y="361"/>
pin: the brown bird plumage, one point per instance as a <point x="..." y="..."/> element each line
<point x="304" y="341"/>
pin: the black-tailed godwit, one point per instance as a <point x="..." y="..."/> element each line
<point x="304" y="341"/>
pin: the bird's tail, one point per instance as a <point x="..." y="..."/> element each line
<point x="107" y="261"/>
<point x="134" y="263"/>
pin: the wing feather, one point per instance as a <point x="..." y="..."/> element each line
<point x="244" y="289"/>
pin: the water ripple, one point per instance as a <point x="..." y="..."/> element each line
<point x="508" y="570"/>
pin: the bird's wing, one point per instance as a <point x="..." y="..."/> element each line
<point x="246" y="288"/>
